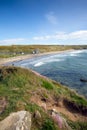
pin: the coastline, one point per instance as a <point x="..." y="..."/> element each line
<point x="23" y="57"/>
<point x="4" y="61"/>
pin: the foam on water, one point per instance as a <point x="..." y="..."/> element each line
<point x="74" y="54"/>
<point x="78" y="51"/>
<point x="39" y="64"/>
<point x="54" y="60"/>
<point x="45" y="60"/>
<point x="66" y="68"/>
<point x="48" y="60"/>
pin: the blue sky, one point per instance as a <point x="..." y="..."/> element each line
<point x="43" y="22"/>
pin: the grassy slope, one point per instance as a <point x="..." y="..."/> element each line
<point x="18" y="86"/>
<point x="8" y="51"/>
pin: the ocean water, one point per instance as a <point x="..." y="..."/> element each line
<point x="67" y="68"/>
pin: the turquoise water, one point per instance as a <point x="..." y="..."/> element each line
<point x="67" y="68"/>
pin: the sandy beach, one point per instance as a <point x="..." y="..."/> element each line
<point x="23" y="57"/>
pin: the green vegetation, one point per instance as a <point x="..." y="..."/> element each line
<point x="47" y="85"/>
<point x="16" y="50"/>
<point x="48" y="125"/>
<point x="77" y="99"/>
<point x="78" y="125"/>
<point x="18" y="86"/>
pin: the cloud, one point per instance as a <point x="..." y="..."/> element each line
<point x="76" y="37"/>
<point x="82" y="35"/>
<point x="38" y="38"/>
<point x="11" y="41"/>
<point x="51" y="18"/>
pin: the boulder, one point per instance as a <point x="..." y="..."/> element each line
<point x="83" y="80"/>
<point x="17" y="121"/>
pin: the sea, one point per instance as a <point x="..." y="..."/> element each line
<point x="68" y="68"/>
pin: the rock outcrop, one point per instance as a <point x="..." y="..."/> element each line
<point x="83" y="80"/>
<point x="17" y="121"/>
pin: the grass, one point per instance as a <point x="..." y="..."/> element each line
<point x="48" y="125"/>
<point x="9" y="51"/>
<point x="78" y="125"/>
<point x="17" y="85"/>
<point x="47" y="85"/>
<point x="78" y="99"/>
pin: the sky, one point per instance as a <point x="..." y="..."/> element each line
<point x="55" y="22"/>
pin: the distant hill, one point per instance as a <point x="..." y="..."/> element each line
<point x="52" y="106"/>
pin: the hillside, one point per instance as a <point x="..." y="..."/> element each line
<point x="22" y="89"/>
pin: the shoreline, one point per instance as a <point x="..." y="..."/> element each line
<point x="29" y="56"/>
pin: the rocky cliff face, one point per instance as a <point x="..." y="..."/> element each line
<point x="17" y="121"/>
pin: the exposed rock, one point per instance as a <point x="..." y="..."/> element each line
<point x="37" y="118"/>
<point x="3" y="104"/>
<point x="83" y="80"/>
<point x="37" y="115"/>
<point x="76" y="108"/>
<point x="17" y="121"/>
<point x="43" y="105"/>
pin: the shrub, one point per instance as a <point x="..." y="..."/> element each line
<point x="47" y="85"/>
<point x="48" y="125"/>
<point x="78" y="125"/>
